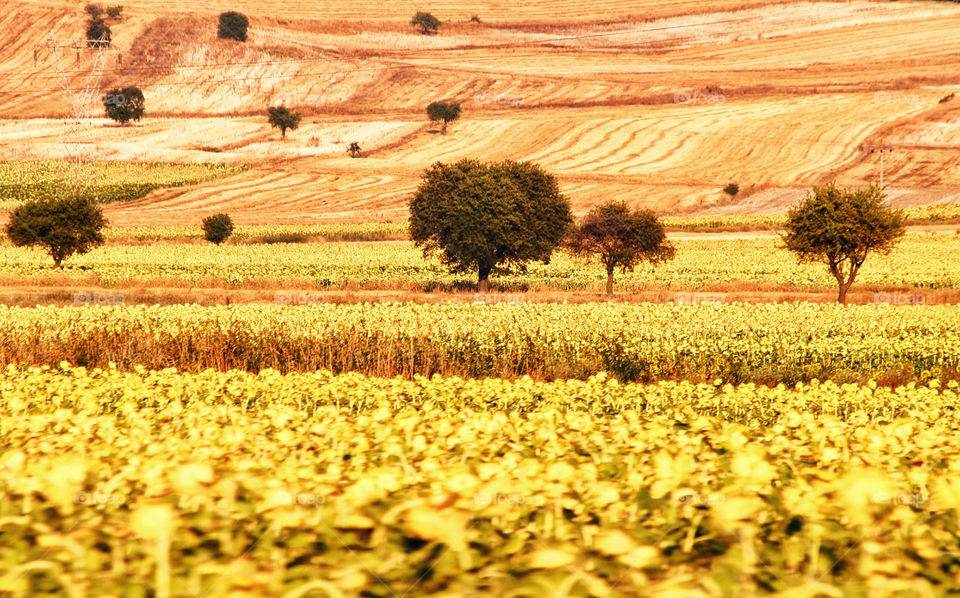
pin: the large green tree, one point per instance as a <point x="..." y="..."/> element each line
<point x="479" y="217"/>
<point x="621" y="238"/>
<point x="62" y="226"/>
<point x="840" y="227"/>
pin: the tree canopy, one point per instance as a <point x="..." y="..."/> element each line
<point x="233" y="25"/>
<point x="443" y="111"/>
<point x="217" y="228"/>
<point x="840" y="228"/>
<point x="621" y="238"/>
<point x="426" y="22"/>
<point x="63" y="226"/>
<point x="98" y="33"/>
<point x="479" y="216"/>
<point x="283" y="118"/>
<point x="124" y="105"/>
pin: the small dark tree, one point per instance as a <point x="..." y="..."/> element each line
<point x="217" y="228"/>
<point x="115" y="12"/>
<point x="233" y="25"/>
<point x="840" y="227"/>
<point x="427" y="23"/>
<point x="354" y="150"/>
<point x="95" y="11"/>
<point x="732" y="189"/>
<point x="124" y="105"/>
<point x="479" y="217"/>
<point x="283" y="119"/>
<point x="98" y="34"/>
<point x="621" y="238"/>
<point x="443" y="111"/>
<point x="63" y="226"/>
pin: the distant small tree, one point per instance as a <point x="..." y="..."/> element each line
<point x="283" y="119"/>
<point x="427" y="23"/>
<point x="233" y="25"/>
<point x="354" y="150"/>
<point x="479" y="217"/>
<point x="732" y="189"/>
<point x="115" y="12"/>
<point x="621" y="238"/>
<point x="63" y="226"/>
<point x="840" y="228"/>
<point x="98" y="33"/>
<point x="95" y="11"/>
<point x="217" y="228"/>
<point x="443" y="111"/>
<point x="124" y="105"/>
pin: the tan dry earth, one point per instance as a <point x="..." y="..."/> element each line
<point x="657" y="103"/>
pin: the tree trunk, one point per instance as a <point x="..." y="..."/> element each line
<point x="845" y="284"/>
<point x="609" y="281"/>
<point x="483" y="282"/>
<point x="837" y="271"/>
<point x="844" y="287"/>
<point x="443" y="129"/>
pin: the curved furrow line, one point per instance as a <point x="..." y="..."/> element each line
<point x="589" y="150"/>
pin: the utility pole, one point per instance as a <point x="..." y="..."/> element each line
<point x="881" y="168"/>
<point x="882" y="151"/>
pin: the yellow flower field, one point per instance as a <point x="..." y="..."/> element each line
<point x="735" y="342"/>
<point x="24" y="180"/>
<point x="233" y="484"/>
<point x="933" y="213"/>
<point x="925" y="214"/>
<point x="244" y="233"/>
<point x="922" y="260"/>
